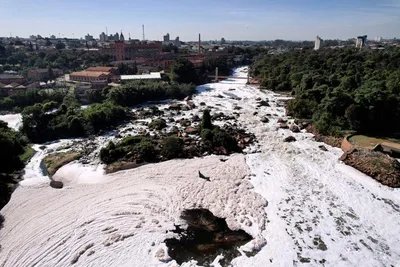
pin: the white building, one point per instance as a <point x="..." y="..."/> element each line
<point x="88" y="37"/>
<point x="318" y="43"/>
<point x="378" y="39"/>
<point x="361" y="41"/>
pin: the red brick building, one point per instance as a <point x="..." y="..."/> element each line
<point x="128" y="51"/>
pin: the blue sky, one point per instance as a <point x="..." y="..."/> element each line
<point x="231" y="19"/>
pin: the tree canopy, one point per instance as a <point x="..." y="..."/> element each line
<point x="339" y="89"/>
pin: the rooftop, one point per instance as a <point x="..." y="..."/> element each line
<point x="101" y="69"/>
<point x="90" y="73"/>
<point x="151" y="76"/>
<point x="10" y="76"/>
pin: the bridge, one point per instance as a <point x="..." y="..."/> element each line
<point x="216" y="77"/>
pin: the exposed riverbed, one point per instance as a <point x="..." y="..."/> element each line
<point x="300" y="204"/>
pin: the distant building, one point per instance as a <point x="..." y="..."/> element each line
<point x="150" y="76"/>
<point x="168" y="41"/>
<point x="361" y="41"/>
<point x="52" y="37"/>
<point x="166" y="38"/>
<point x="88" y="37"/>
<point x="128" y="51"/>
<point x="43" y="74"/>
<point x="90" y="76"/>
<point x="121" y="37"/>
<point x="116" y="37"/>
<point x="113" y="70"/>
<point x="103" y="37"/>
<point x="378" y="39"/>
<point x="223" y="41"/>
<point x="9" y="79"/>
<point x="318" y="43"/>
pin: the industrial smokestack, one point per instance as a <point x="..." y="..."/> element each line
<point x="143" y="32"/>
<point x="199" y="44"/>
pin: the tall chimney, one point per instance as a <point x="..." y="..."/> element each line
<point x="199" y="44"/>
<point x="143" y="32"/>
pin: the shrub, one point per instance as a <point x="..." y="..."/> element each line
<point x="158" y="124"/>
<point x="172" y="147"/>
<point x="206" y="120"/>
<point x="222" y="138"/>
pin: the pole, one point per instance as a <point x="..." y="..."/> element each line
<point x="216" y="74"/>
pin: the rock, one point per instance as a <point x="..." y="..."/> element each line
<point x="219" y="96"/>
<point x="174" y="129"/>
<point x="118" y="135"/>
<point x="263" y="103"/>
<point x="191" y="130"/>
<point x="237" y="108"/>
<point x="185" y="122"/>
<point x="258" y="99"/>
<point x="185" y="108"/>
<point x="289" y="139"/>
<point x="191" y="105"/>
<point x="175" y="106"/>
<point x="283" y="126"/>
<point x="42" y="147"/>
<point x="280" y="120"/>
<point x="202" y="104"/>
<point x="171" y="120"/>
<point x="255" y="113"/>
<point x="162" y="256"/>
<point x="231" y="89"/>
<point x="264" y="120"/>
<point x="56" y="184"/>
<point x="196" y="118"/>
<point x="294" y="128"/>
<point x="189" y="97"/>
<point x="323" y="148"/>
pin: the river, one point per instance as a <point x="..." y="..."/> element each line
<point x="319" y="211"/>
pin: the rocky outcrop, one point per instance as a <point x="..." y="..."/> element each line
<point x="289" y="139"/>
<point x="294" y="128"/>
<point x="205" y="238"/>
<point x="56" y="184"/>
<point x="264" y="120"/>
<point x="379" y="166"/>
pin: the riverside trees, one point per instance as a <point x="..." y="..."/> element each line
<point x="339" y="89"/>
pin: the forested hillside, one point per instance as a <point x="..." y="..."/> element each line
<point x="339" y="89"/>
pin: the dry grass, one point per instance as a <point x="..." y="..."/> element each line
<point x="369" y="142"/>
<point x="55" y="161"/>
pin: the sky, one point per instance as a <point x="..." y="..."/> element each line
<point x="214" y="19"/>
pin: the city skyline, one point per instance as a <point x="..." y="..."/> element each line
<point x="252" y="20"/>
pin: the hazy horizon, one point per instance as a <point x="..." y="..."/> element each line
<point x="254" y="20"/>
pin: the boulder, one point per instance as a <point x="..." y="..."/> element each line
<point x="255" y="113"/>
<point x="264" y="120"/>
<point x="196" y="118"/>
<point x="191" y="105"/>
<point x="280" y="120"/>
<point x="283" y="126"/>
<point x="294" y="128"/>
<point x="263" y="103"/>
<point x="202" y="104"/>
<point x="191" y="130"/>
<point x="171" y="120"/>
<point x="185" y="108"/>
<point x="56" y="184"/>
<point x="231" y="89"/>
<point x="185" y="122"/>
<point x="189" y="97"/>
<point x="323" y="148"/>
<point x="289" y="139"/>
<point x="175" y="106"/>
<point x="237" y="108"/>
<point x="258" y="99"/>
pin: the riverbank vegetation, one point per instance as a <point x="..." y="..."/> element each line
<point x="13" y="153"/>
<point x="338" y="89"/>
<point x="42" y="122"/>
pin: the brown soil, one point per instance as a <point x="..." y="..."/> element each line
<point x="329" y="140"/>
<point x="379" y="166"/>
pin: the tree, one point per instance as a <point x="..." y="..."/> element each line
<point x="206" y="120"/>
<point x="48" y="43"/>
<point x="60" y="46"/>
<point x="183" y="71"/>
